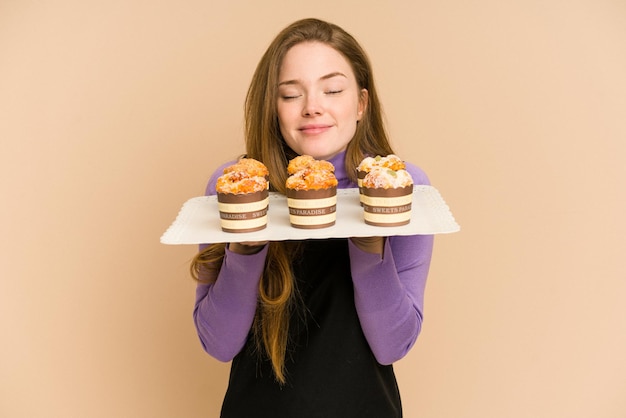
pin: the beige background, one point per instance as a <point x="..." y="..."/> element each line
<point x="113" y="113"/>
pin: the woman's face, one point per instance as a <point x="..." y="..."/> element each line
<point x="319" y="101"/>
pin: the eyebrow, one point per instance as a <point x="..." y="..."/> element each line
<point x="324" y="77"/>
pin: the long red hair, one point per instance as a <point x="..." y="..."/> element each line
<point x="277" y="288"/>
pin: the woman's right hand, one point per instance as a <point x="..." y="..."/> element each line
<point x="247" y="248"/>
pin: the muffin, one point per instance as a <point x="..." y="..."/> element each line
<point x="243" y="196"/>
<point x="311" y="193"/>
<point x="252" y="167"/>
<point x="387" y="197"/>
<point x="391" y="161"/>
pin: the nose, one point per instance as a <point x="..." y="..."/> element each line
<point x="312" y="106"/>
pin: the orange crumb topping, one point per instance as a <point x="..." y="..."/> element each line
<point x="250" y="166"/>
<point x="307" y="173"/>
<point x="245" y="176"/>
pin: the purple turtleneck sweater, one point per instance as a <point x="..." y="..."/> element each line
<point x="388" y="290"/>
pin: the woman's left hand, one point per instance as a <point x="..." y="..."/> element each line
<point x="373" y="245"/>
<point x="246" y="248"/>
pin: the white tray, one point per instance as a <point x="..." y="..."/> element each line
<point x="198" y="220"/>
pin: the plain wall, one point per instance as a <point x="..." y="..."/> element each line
<point x="113" y="113"/>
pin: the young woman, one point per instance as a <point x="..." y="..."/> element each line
<point x="312" y="327"/>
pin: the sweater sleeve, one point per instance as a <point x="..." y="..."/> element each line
<point x="389" y="293"/>
<point x="389" y="290"/>
<point x="224" y="309"/>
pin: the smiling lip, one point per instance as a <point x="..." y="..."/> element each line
<point x="314" y="129"/>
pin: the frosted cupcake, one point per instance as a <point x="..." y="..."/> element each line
<point x="243" y="196"/>
<point x="311" y="193"/>
<point x="387" y="197"/>
<point x="391" y="161"/>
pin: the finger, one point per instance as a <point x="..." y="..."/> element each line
<point x="254" y="243"/>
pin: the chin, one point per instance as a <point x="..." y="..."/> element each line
<point x="320" y="154"/>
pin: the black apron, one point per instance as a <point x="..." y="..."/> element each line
<point x="331" y="371"/>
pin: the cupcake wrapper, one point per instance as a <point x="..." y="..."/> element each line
<point x="243" y="212"/>
<point x="242" y="198"/>
<point x="387" y="207"/>
<point x="312" y="194"/>
<point x="391" y="192"/>
<point x="239" y="226"/>
<point x="312" y="209"/>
